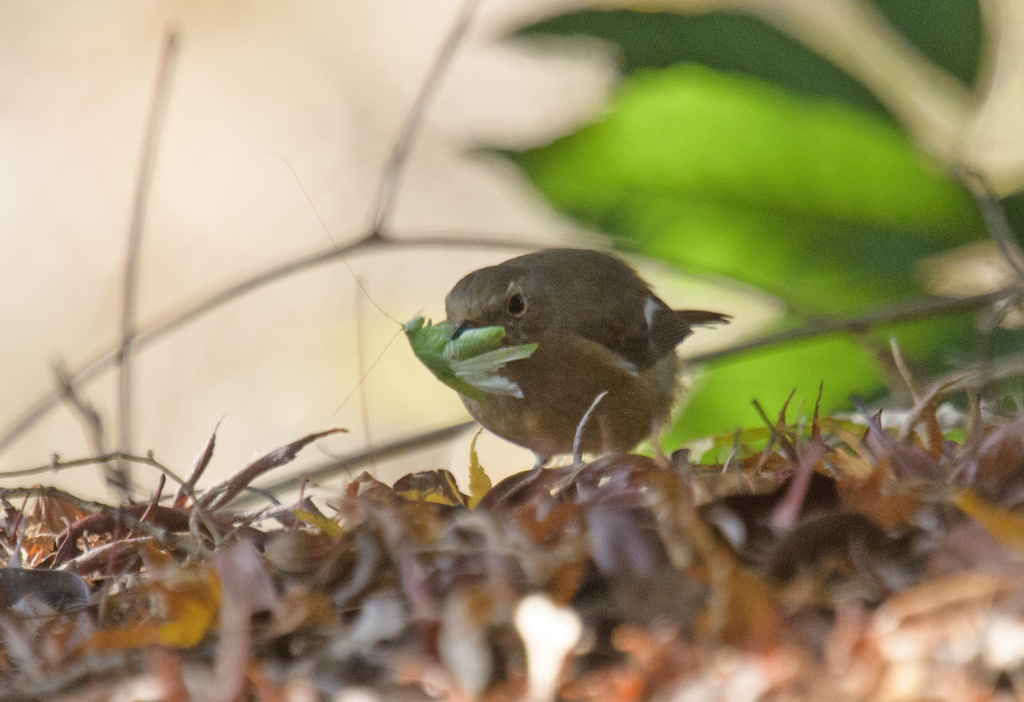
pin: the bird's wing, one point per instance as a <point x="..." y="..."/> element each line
<point x="669" y="327"/>
<point x="653" y="332"/>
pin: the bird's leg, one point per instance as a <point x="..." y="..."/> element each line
<point x="657" y="426"/>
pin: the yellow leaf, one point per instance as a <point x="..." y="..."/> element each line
<point x="327" y="526"/>
<point x="124" y="638"/>
<point x="1007" y="528"/>
<point x="436" y="499"/>
<point x="436" y="486"/>
<point x="192" y="611"/>
<point x="191" y="603"/>
<point x="453" y="488"/>
<point x="849" y="466"/>
<point x="423" y="496"/>
<point x="479" y="483"/>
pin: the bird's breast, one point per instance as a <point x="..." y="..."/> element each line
<point x="560" y="381"/>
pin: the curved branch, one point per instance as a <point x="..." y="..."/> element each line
<point x="895" y="314"/>
<point x="388" y="188"/>
<point x="93" y="368"/>
<point x="349" y="463"/>
<point x="119" y="475"/>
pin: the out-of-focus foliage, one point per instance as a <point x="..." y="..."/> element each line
<point x="811" y="200"/>
<point x="947" y="32"/>
<point x="727" y="43"/>
<point x="732" y="149"/>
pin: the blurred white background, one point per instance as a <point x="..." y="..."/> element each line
<point x="324" y="86"/>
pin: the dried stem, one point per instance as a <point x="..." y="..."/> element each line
<point x="157" y="112"/>
<point x="187" y="488"/>
<point x="90" y="417"/>
<point x="224" y="492"/>
<point x="388" y="188"/>
<point x="577" y="442"/>
<point x="358" y="460"/>
<point x="902" y="312"/>
<point x="364" y="399"/>
<point x="901" y="366"/>
<point x="155" y="499"/>
<point x="995" y="221"/>
<point x="82" y="409"/>
<point x="146" y="337"/>
<point x="57" y="465"/>
<point x="974" y="377"/>
<point x="104" y="553"/>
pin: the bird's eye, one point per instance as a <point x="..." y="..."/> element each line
<point x="517" y="305"/>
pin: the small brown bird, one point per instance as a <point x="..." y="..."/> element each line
<point x="598" y="327"/>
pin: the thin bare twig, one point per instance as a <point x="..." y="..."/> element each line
<point x="58" y="465"/>
<point x="198" y="516"/>
<point x="921" y="404"/>
<point x="995" y="220"/>
<point x="577" y="442"/>
<point x="358" y="460"/>
<point x="187" y="488"/>
<point x="154" y="501"/>
<point x="157" y="111"/>
<point x="973" y="377"/>
<point x="1002" y="234"/>
<point x="83" y="409"/>
<point x="779" y="429"/>
<point x="901" y="366"/>
<point x="90" y="417"/>
<point x="92" y="369"/>
<point x="388" y="188"/>
<point x="364" y="399"/>
<point x="219" y="495"/>
<point x="905" y="311"/>
<point x="99" y="555"/>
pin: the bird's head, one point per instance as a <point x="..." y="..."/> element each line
<point x="498" y="296"/>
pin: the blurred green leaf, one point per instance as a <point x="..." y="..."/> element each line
<point x="725" y="42"/>
<point x="1013" y="207"/>
<point x="722" y="399"/>
<point x="824" y="205"/>
<point x="948" y="32"/>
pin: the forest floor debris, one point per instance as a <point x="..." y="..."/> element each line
<point x="822" y="560"/>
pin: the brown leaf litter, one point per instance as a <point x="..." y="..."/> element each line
<point x="822" y="562"/>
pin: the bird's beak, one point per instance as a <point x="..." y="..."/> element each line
<point x="459" y="330"/>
